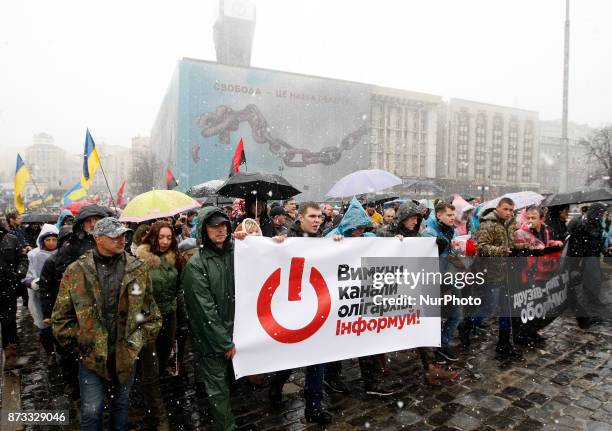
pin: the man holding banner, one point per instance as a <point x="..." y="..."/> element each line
<point x="307" y="225"/>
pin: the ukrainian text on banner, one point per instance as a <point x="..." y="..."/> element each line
<point x="312" y="300"/>
<point x="538" y="287"/>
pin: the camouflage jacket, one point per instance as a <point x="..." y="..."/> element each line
<point x="77" y="315"/>
<point x="494" y="238"/>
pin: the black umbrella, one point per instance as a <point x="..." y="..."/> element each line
<point x="264" y="186"/>
<point x="39" y="218"/>
<point x="380" y="199"/>
<point x="580" y="197"/>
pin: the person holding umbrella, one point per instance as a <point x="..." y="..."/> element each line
<point x="257" y="209"/>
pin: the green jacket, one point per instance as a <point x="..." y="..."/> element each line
<point x="208" y="285"/>
<point x="164" y="276"/>
<point x="78" y="325"/>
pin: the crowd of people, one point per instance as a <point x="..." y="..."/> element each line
<point x="112" y="301"/>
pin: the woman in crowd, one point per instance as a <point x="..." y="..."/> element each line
<point x="159" y="250"/>
<point x="47" y="247"/>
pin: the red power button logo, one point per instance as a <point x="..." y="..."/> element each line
<point x="264" y="303"/>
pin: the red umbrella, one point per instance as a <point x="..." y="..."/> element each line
<point x="74" y="207"/>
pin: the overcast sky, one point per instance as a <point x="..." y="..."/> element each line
<point x="68" y="65"/>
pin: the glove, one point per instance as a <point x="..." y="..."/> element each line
<point x="442" y="243"/>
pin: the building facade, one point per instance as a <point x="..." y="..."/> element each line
<point x="580" y="166"/>
<point x="483" y="145"/>
<point x="403" y="128"/>
<point x="46" y="162"/>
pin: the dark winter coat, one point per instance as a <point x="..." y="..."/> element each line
<point x="295" y="231"/>
<point x="208" y="286"/>
<point x="164" y="276"/>
<point x="48" y="284"/>
<point x="396" y="227"/>
<point x="13" y="264"/>
<point x="586" y="238"/>
<point x="558" y="228"/>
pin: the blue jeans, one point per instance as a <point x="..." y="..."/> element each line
<point x="313" y="385"/>
<point x="494" y="294"/>
<point x="92" y="388"/>
<point x="452" y="315"/>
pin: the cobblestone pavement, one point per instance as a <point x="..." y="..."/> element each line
<point x="565" y="386"/>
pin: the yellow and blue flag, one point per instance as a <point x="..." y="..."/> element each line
<point x="74" y="193"/>
<point x="91" y="161"/>
<point x="22" y="175"/>
<point x="38" y="202"/>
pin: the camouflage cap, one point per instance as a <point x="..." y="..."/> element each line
<point x="109" y="226"/>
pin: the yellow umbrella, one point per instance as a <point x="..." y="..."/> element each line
<point x="157" y="204"/>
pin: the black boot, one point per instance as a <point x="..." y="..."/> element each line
<point x="318" y="415"/>
<point x="464" y="330"/>
<point x="275" y="395"/>
<point x="505" y="349"/>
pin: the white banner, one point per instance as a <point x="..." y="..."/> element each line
<point x="303" y="301"/>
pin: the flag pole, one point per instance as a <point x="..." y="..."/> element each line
<point x="107" y="186"/>
<point x="42" y="200"/>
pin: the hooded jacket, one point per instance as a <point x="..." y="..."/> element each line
<point x="355" y="217"/>
<point x="62" y="218"/>
<point x="586" y="235"/>
<point x="396" y="227"/>
<point x="48" y="284"/>
<point x="78" y="323"/>
<point x="164" y="276"/>
<point x="208" y="285"/>
<point x="39" y="255"/>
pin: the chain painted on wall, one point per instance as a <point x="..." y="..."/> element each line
<point x="225" y="120"/>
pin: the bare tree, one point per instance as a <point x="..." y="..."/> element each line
<point x="146" y="172"/>
<point x="599" y="148"/>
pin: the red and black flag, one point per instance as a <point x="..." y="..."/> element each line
<point x="120" y="194"/>
<point x="238" y="159"/>
<point x="170" y="180"/>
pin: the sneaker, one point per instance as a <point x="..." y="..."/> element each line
<point x="436" y="375"/>
<point x="379" y="390"/>
<point x="335" y="384"/>
<point x="318" y="416"/>
<point x="447" y="353"/>
<point x="440" y="360"/>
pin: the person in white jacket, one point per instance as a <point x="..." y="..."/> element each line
<point x="47" y="246"/>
